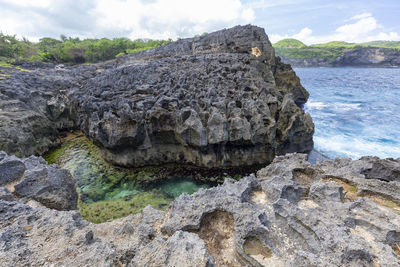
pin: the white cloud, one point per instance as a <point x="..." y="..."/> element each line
<point x="360" y="16"/>
<point x="171" y="18"/>
<point x="363" y="28"/>
<point x="303" y="34"/>
<point x="131" y="18"/>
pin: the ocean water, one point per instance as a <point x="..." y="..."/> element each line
<point x="356" y="111"/>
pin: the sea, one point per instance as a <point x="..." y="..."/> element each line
<point x="356" y="111"/>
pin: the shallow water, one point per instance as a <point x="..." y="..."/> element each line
<point x="356" y="111"/>
<point x="101" y="183"/>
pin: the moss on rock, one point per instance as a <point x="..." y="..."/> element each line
<point x="108" y="210"/>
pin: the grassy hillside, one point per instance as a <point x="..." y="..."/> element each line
<point x="293" y="48"/>
<point x="289" y="43"/>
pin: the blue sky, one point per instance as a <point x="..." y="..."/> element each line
<point x="365" y="19"/>
<point x="308" y="20"/>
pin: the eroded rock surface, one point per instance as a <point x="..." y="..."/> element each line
<point x="291" y="214"/>
<point x="33" y="179"/>
<point x="220" y="100"/>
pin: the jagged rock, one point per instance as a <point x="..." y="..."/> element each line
<point x="324" y="192"/>
<point x="292" y="214"/>
<point x="220" y="100"/>
<point x="385" y="170"/>
<point x="210" y="101"/>
<point x="29" y="123"/>
<point x="33" y="178"/>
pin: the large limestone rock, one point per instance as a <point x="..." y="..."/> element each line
<point x="220" y="100"/>
<point x="291" y="214"/>
<point x="217" y="100"/>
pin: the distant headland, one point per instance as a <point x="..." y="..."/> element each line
<point x="339" y="53"/>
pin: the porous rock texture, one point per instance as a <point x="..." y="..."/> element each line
<point x="220" y="100"/>
<point x="291" y="214"/>
<point x="33" y="178"/>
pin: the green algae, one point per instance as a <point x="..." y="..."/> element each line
<point x="107" y="192"/>
<point x="108" y="210"/>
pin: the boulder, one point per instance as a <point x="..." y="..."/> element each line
<point x="11" y="169"/>
<point x="33" y="179"/>
<point x="220" y="100"/>
<point x="49" y="185"/>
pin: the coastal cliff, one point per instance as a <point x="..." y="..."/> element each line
<point x="360" y="57"/>
<point x="220" y="100"/>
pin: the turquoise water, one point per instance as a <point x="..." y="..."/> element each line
<point x="98" y="180"/>
<point x="175" y="187"/>
<point x="356" y="111"/>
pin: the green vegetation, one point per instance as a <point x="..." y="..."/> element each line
<point x="289" y="43"/>
<point x="107" y="192"/>
<point x="293" y="48"/>
<point x="71" y="50"/>
<point x="108" y="210"/>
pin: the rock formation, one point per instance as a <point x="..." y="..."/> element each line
<point x="33" y="178"/>
<point x="334" y="213"/>
<point x="360" y="57"/>
<point x="220" y="100"/>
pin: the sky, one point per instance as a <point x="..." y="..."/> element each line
<point x="309" y="21"/>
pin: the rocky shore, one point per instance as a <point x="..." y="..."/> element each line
<point x="360" y="57"/>
<point x="292" y="213"/>
<point x="220" y="100"/>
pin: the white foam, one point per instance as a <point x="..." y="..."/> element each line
<point x="346" y="106"/>
<point x="355" y="148"/>
<point x="314" y="105"/>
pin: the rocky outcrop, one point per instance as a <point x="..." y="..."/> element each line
<point x="33" y="179"/>
<point x="307" y="62"/>
<point x="220" y="100"/>
<point x="360" y="57"/>
<point x="211" y="101"/>
<point x="371" y="56"/>
<point x="35" y="106"/>
<point x="291" y="214"/>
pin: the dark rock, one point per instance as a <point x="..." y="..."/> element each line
<point x="35" y="179"/>
<point x="49" y="185"/>
<point x="11" y="169"/>
<point x="383" y="169"/>
<point x="220" y="100"/>
<point x="89" y="238"/>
